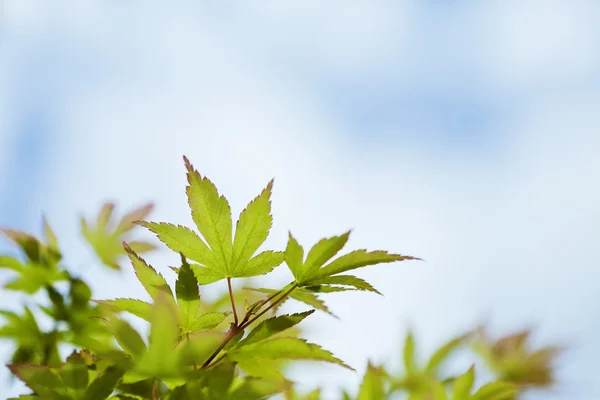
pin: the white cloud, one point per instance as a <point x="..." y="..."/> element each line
<point x="517" y="227"/>
<point x="542" y="42"/>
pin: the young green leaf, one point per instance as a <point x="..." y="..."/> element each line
<point x="105" y="238"/>
<point x="161" y="360"/>
<point x="357" y="259"/>
<point x="41" y="379"/>
<point x="153" y="282"/>
<point x="212" y="215"/>
<point x="294" y="257"/>
<point x="184" y="241"/>
<point x="373" y="384"/>
<point x="287" y="348"/>
<point x="262" y="264"/>
<point x="344" y="280"/>
<point x="302" y="295"/>
<point x="127" y="337"/>
<point x="252" y="227"/>
<point x="255" y="389"/>
<point x="322" y="252"/>
<point x="207" y="321"/>
<point x="461" y="387"/>
<point x="495" y="391"/>
<point x="136" y="307"/>
<point x="206" y="275"/>
<point x="11" y="263"/>
<point x="266" y="368"/>
<point x="272" y="326"/>
<point x="442" y="353"/>
<point x="188" y="296"/>
<point x="409" y="353"/>
<point x="439" y="392"/>
<point x="74" y="372"/>
<point x="51" y="240"/>
<point x="30" y="246"/>
<point x="104" y="384"/>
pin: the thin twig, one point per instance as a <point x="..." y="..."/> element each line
<point x="155" y="390"/>
<point x="230" y="335"/>
<point x="273" y="304"/>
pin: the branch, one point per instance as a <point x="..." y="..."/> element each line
<point x="273" y="304"/>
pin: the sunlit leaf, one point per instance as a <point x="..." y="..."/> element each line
<point x="373" y="384"/>
<point x="252" y="228"/>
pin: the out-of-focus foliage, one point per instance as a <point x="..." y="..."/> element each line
<point x="235" y="347"/>
<point x="105" y="235"/>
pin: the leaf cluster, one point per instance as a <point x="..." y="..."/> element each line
<point x="236" y="346"/>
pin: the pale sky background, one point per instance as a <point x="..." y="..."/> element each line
<point x="466" y="133"/>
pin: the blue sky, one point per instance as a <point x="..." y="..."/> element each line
<point x="464" y="133"/>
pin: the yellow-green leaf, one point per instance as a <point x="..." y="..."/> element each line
<point x="153" y="282"/>
<point x="322" y="252"/>
<point x="356" y="259"/>
<point x="272" y="326"/>
<point x="252" y="227"/>
<point x="262" y="264"/>
<point x="136" y="307"/>
<point x="188" y="296"/>
<point x="212" y="215"/>
<point x="183" y="240"/>
<point x="373" y="384"/>
<point x="294" y="257"/>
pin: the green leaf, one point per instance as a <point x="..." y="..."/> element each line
<point x="74" y="373"/>
<point x="153" y="282"/>
<point x="311" y="299"/>
<point x="356" y="259"/>
<point x="495" y="391"/>
<point x="409" y="353"/>
<point x="207" y="321"/>
<point x="188" y="296"/>
<point x="346" y="280"/>
<point x="461" y="387"/>
<point x="127" y="337"/>
<point x="104" y="384"/>
<point x="262" y="264"/>
<point x="439" y="392"/>
<point x="206" y="275"/>
<point x="258" y="367"/>
<point x="255" y="389"/>
<point x="273" y="326"/>
<point x="372" y="386"/>
<point x="29" y="244"/>
<point x="322" y="252"/>
<point x="51" y="239"/>
<point x="35" y="277"/>
<point x="41" y="379"/>
<point x="160" y="360"/>
<point x="442" y="353"/>
<point x="252" y="227"/>
<point x="80" y="293"/>
<point x="287" y="348"/>
<point x="183" y="240"/>
<point x="197" y="347"/>
<point x="301" y="295"/>
<point x="11" y="263"/>
<point x="105" y="238"/>
<point x="136" y="307"/>
<point x="127" y="221"/>
<point x="294" y="256"/>
<point x="211" y="214"/>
